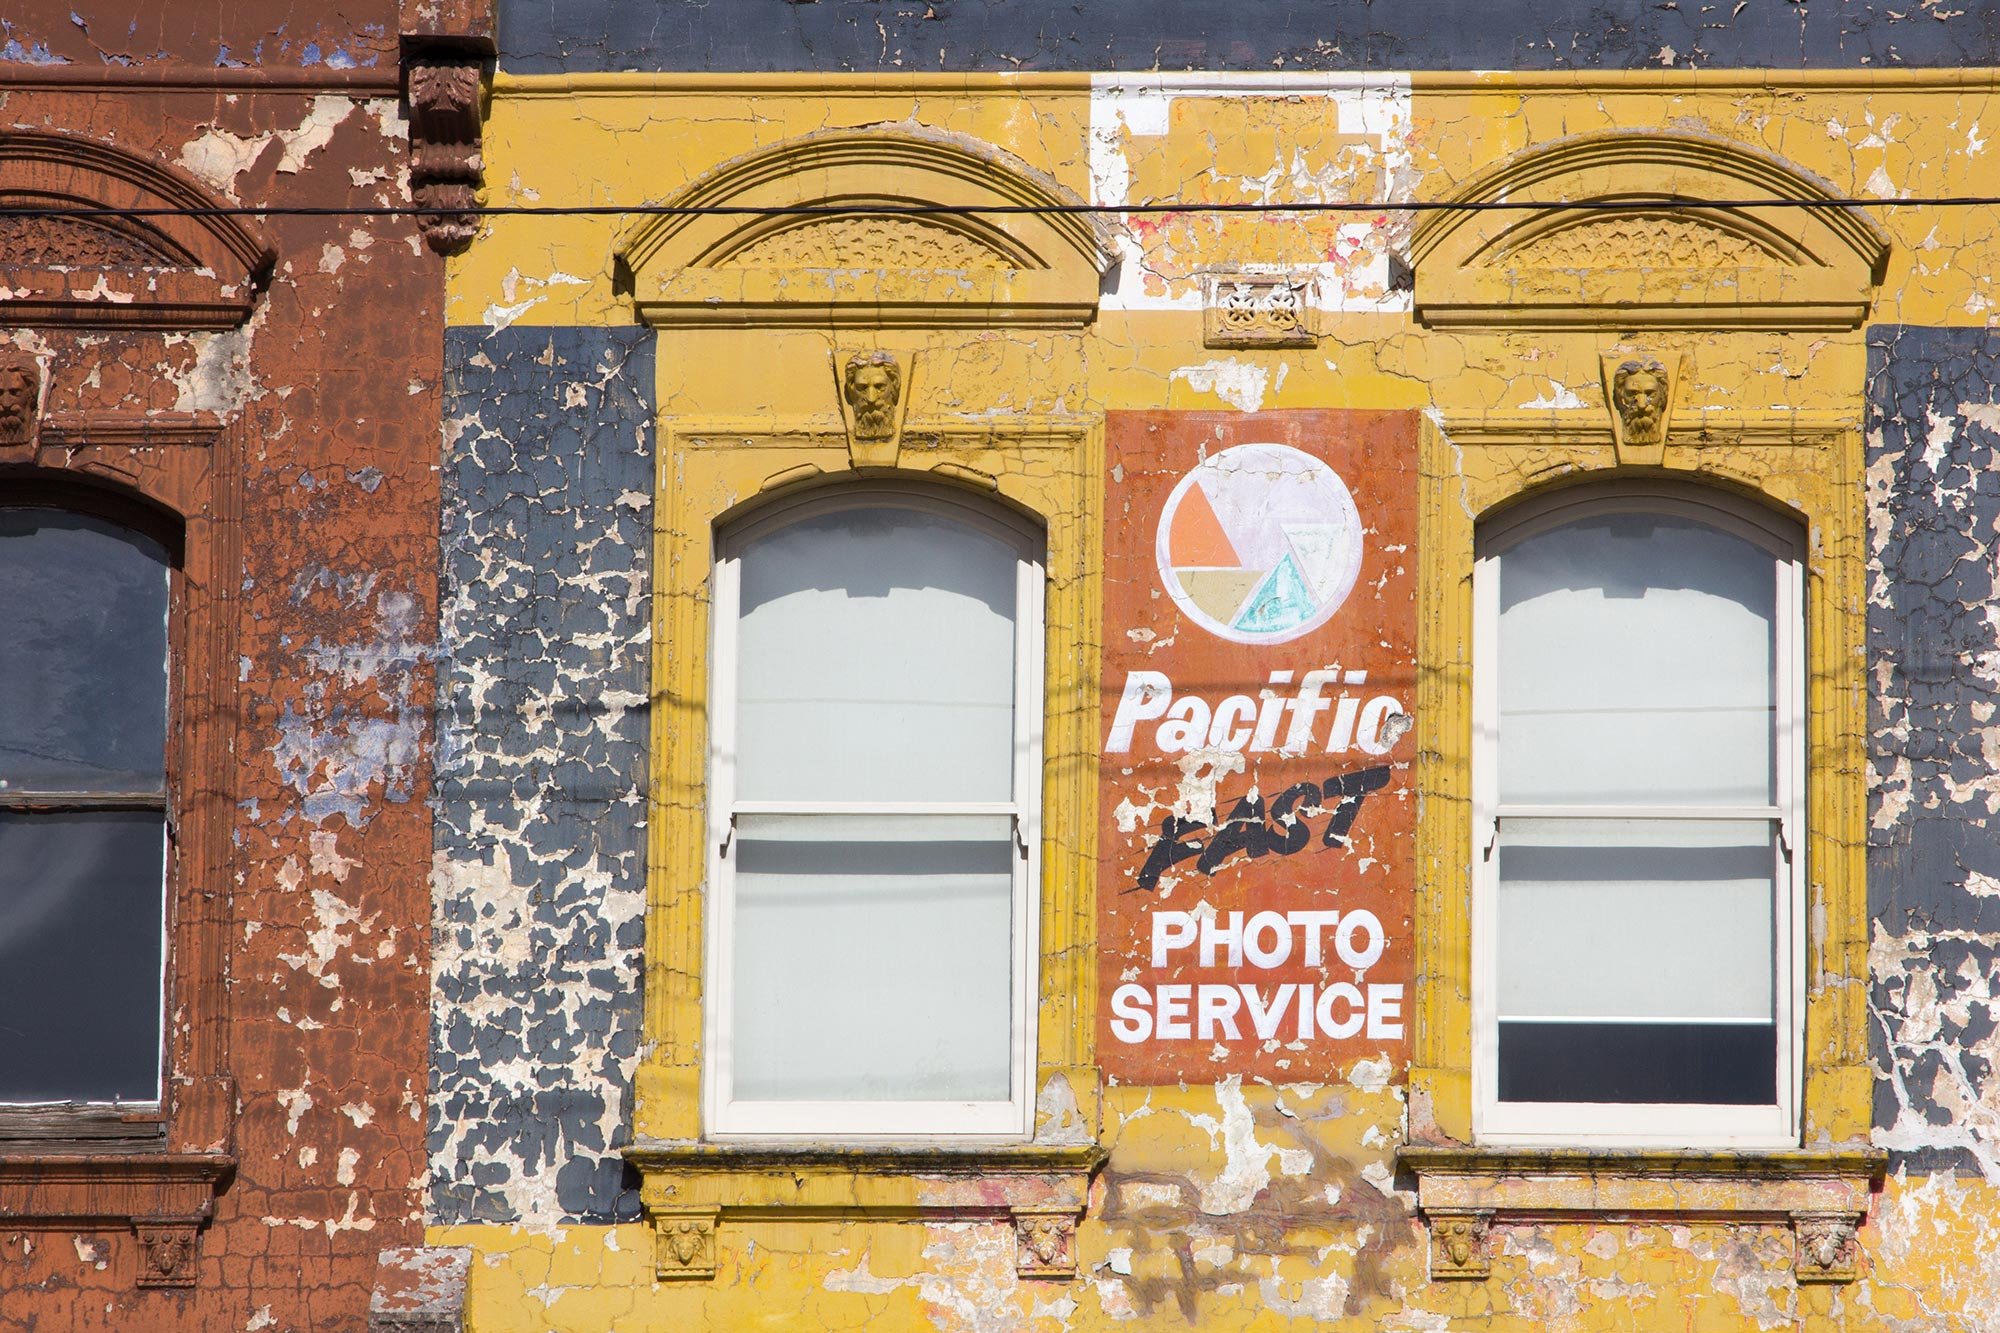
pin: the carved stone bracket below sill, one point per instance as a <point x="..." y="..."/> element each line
<point x="691" y="1189"/>
<point x="1822" y="1195"/>
<point x="164" y="1197"/>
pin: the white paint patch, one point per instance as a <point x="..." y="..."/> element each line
<point x="1241" y="384"/>
<point x="1128" y="108"/>
<point x="219" y="157"/>
<point x="1246" y="1166"/>
<point x="1560" y="395"/>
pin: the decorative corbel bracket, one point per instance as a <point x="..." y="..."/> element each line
<point x="684" y="1243"/>
<point x="1045" y="1242"/>
<point x="169" y="1250"/>
<point x="1821" y="1194"/>
<point x="1458" y="1243"/>
<point x="446" y="169"/>
<point x="1828" y="1246"/>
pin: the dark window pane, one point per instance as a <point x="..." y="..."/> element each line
<point x="81" y="928"/>
<point x="1722" y="1064"/>
<point x="84" y="657"/>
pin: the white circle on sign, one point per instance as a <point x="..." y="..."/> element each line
<point x="1259" y="543"/>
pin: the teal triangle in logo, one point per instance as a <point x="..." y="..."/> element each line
<point x="1282" y="603"/>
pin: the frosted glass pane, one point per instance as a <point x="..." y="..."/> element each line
<point x="84" y="656"/>
<point x="1643" y="919"/>
<point x="1636" y="664"/>
<point x="876" y="661"/>
<point x="873" y="958"/>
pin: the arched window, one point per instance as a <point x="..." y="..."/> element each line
<point x="84" y="838"/>
<point x="1637" y="784"/>
<point x="875" y="775"/>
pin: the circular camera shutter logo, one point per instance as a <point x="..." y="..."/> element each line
<point x="1260" y="543"/>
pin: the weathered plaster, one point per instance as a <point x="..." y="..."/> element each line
<point x="1934" y="668"/>
<point x="539" y="872"/>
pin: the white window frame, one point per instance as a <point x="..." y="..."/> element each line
<point x="726" y="1117"/>
<point x="1611" y="1124"/>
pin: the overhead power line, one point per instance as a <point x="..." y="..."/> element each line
<point x="998" y="210"/>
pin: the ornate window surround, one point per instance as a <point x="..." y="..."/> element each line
<point x="1471" y="276"/>
<point x="175" y="474"/>
<point x="879" y="289"/>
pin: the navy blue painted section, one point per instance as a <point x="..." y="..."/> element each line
<point x="592" y="36"/>
<point x="1934" y="673"/>
<point x="540" y="874"/>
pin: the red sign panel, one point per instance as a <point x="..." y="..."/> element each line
<point x="1259" y="670"/>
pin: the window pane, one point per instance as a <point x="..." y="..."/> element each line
<point x="1636" y="664"/>
<point x="84" y="657"/>
<point x="81" y="930"/>
<point x="873" y="958"/>
<point x="1636" y="961"/>
<point x="1680" y="1064"/>
<point x="876" y="661"/>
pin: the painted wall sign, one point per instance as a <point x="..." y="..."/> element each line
<point x="1255" y="890"/>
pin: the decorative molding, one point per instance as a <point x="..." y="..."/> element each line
<point x="864" y="242"/>
<point x="1822" y="1195"/>
<point x="1044" y="1243"/>
<point x="1827" y="1247"/>
<point x="164" y="1197"/>
<point x="165" y="258"/>
<point x="684" y="1243"/>
<point x="446" y="169"/>
<point x="1643" y="239"/>
<point x="1640" y="390"/>
<point x="130" y="430"/>
<point x="690" y="1189"/>
<point x="1246" y="309"/>
<point x="1013" y="255"/>
<point x="1605" y="253"/>
<point x="1458" y="1244"/>
<point x="169" y="1253"/>
<point x="20" y="399"/>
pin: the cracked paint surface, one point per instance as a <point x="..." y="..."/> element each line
<point x="1231" y="1200"/>
<point x="1934" y="668"/>
<point x="539" y="876"/>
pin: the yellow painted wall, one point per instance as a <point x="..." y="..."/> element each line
<point x="1231" y="1205"/>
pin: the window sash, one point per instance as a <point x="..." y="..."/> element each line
<point x="725" y="1115"/>
<point x="1614" y="1124"/>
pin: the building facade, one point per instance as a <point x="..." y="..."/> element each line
<point x="218" y="517"/>
<point x="1137" y="667"/>
<point x="1341" y="368"/>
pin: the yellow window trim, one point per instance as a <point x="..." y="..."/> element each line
<point x="1809" y="464"/>
<point x="708" y="470"/>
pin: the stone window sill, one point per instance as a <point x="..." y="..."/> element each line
<point x="1823" y="1194"/>
<point x="688" y="1188"/>
<point x="165" y="1197"/>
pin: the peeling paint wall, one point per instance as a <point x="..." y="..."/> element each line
<point x="328" y="401"/>
<point x="1234" y="1194"/>
<point x="885" y="36"/>
<point x="1934" y="669"/>
<point x="540" y="877"/>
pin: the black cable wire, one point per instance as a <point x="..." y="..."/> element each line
<point x="992" y="210"/>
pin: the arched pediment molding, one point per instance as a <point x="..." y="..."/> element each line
<point x="1004" y="252"/>
<point x="175" y="265"/>
<point x="1647" y="231"/>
